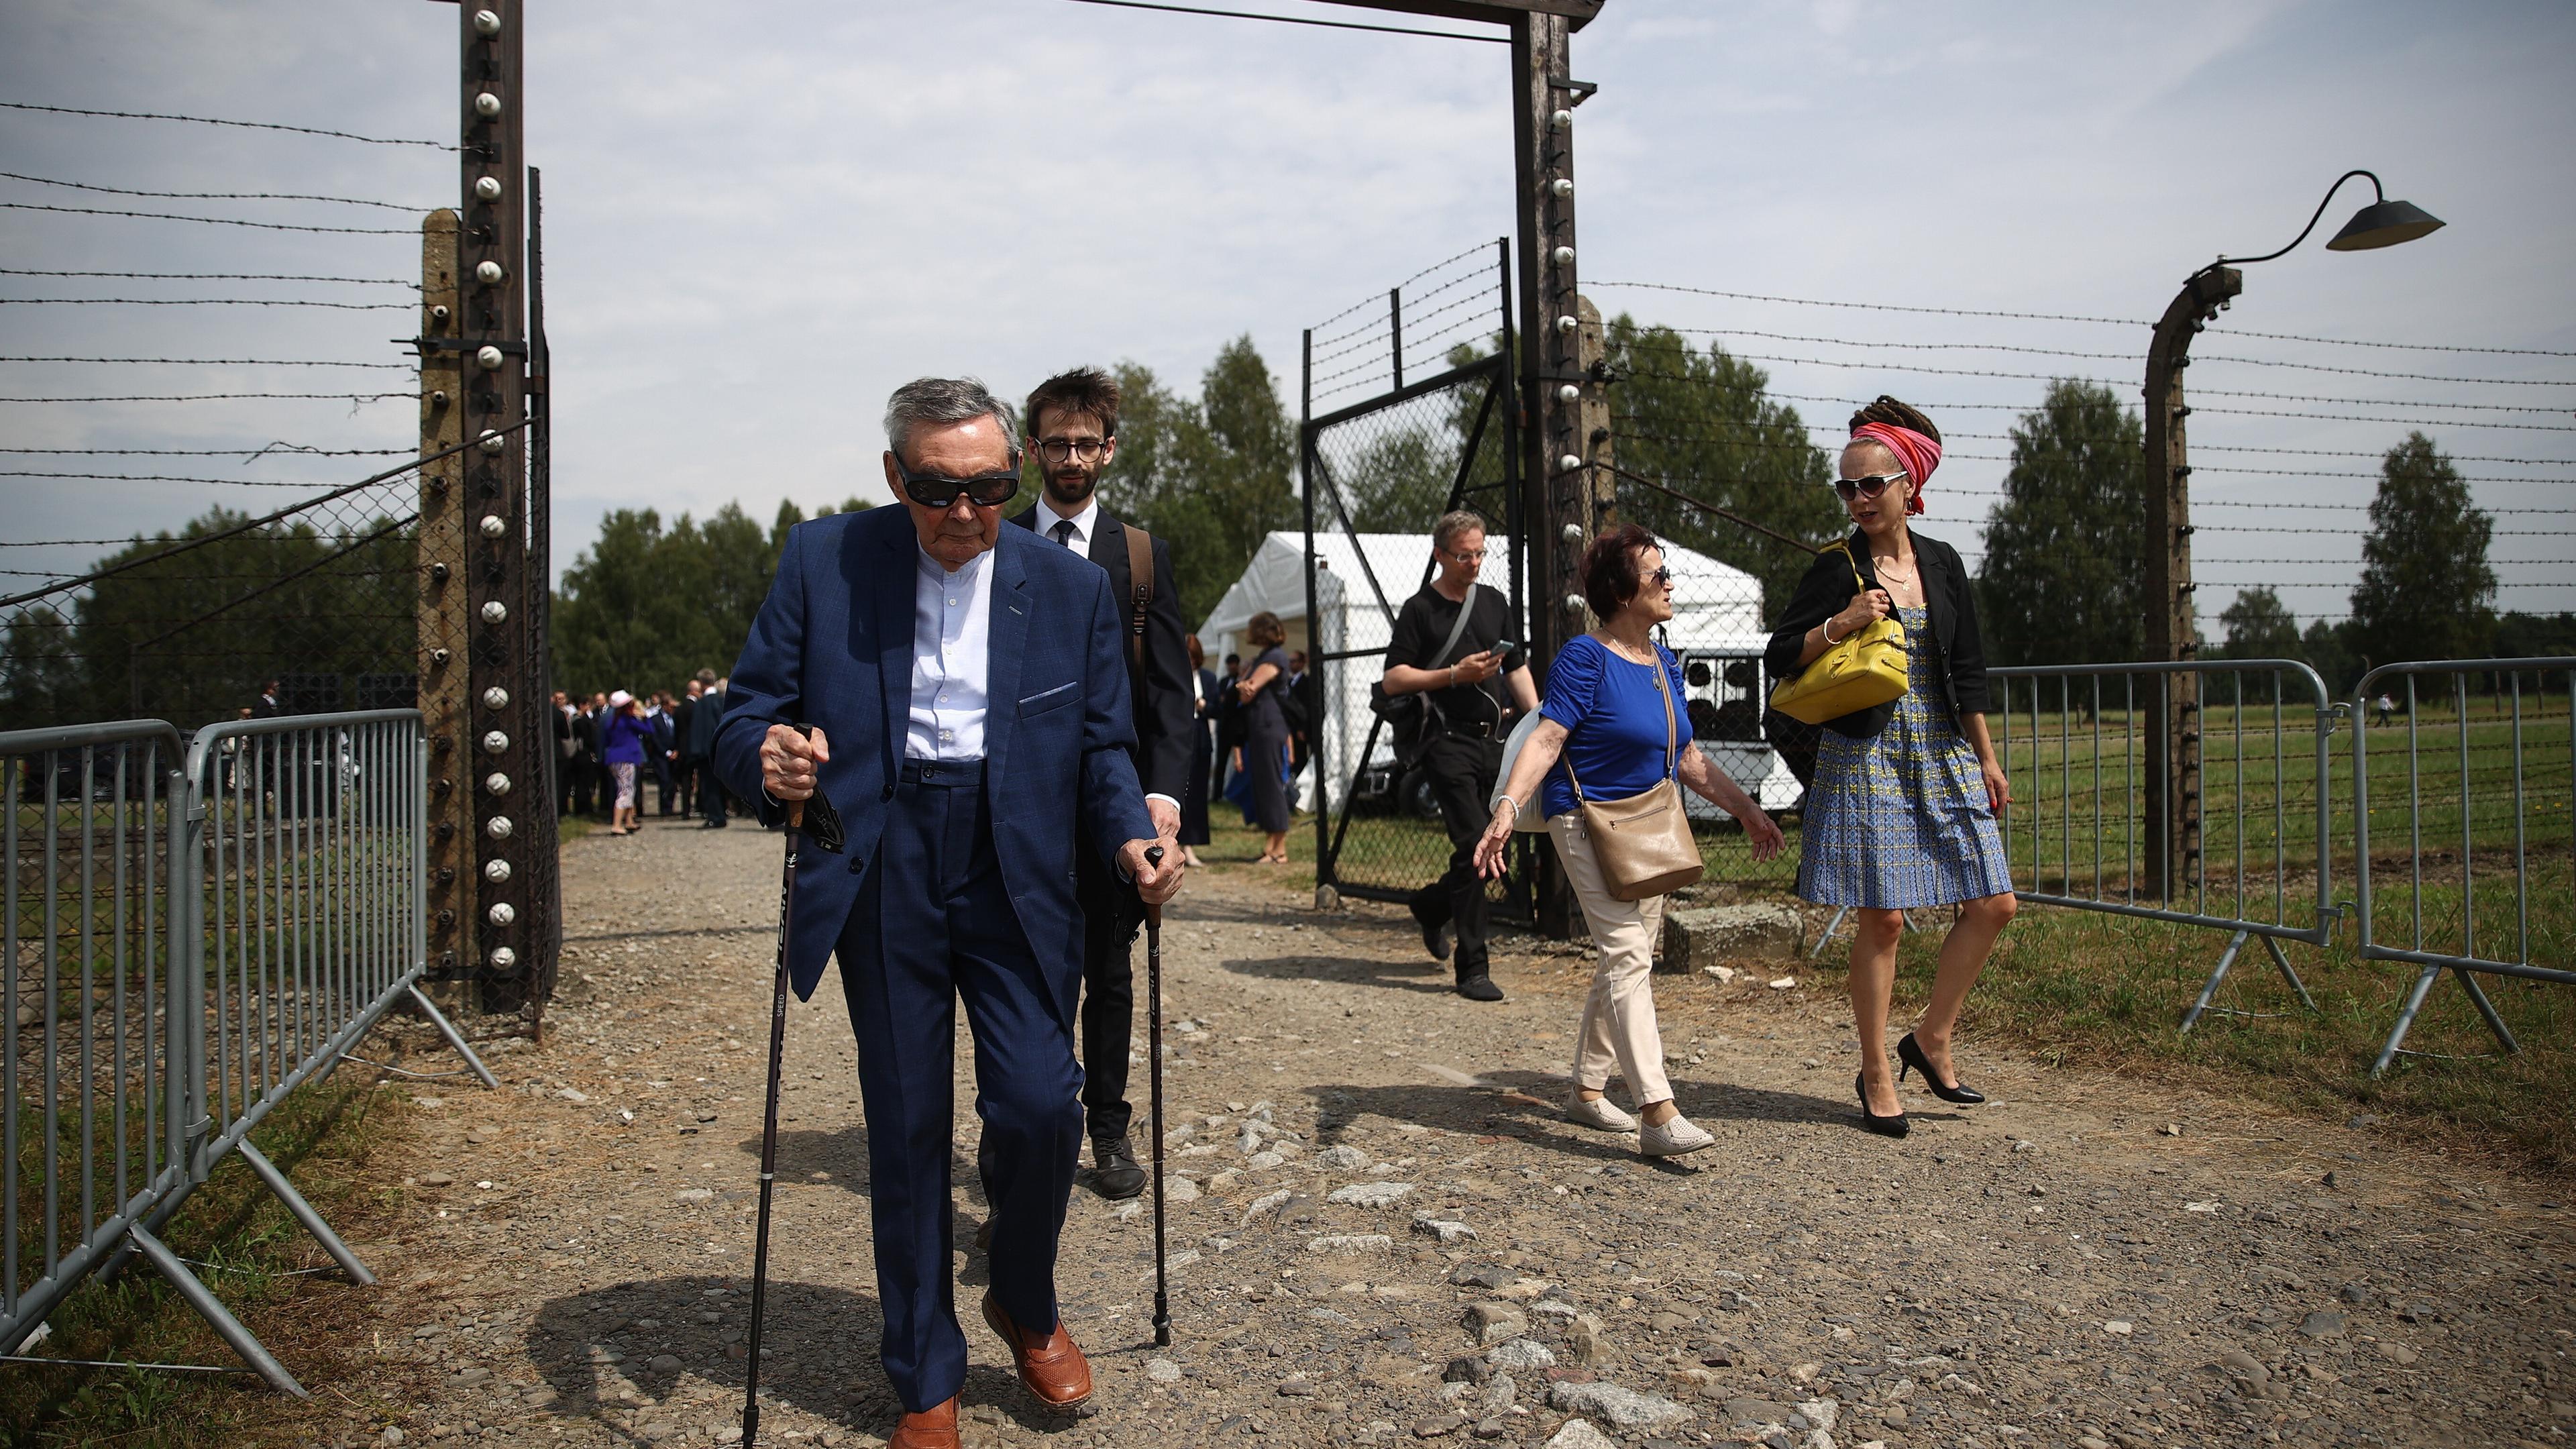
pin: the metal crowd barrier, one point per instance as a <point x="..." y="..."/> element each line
<point x="2081" y="745"/>
<point x="190" y="940"/>
<point x="2470" y="785"/>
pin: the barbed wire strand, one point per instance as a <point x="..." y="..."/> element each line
<point x="2197" y="357"/>
<point x="218" y="121"/>
<point x="356" y="397"/>
<point x="155" y="478"/>
<point x="206" y="302"/>
<point x="246" y="454"/>
<point x="210" y="220"/>
<point x="214" y="277"/>
<point x="2062" y="317"/>
<point x="1407" y="282"/>
<point x="220" y="362"/>
<point x="211" y="195"/>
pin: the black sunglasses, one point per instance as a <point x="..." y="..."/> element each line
<point x="930" y="490"/>
<point x="1866" y="487"/>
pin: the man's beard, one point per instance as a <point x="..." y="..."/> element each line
<point x="1073" y="489"/>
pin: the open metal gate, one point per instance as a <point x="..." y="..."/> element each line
<point x="1375" y="473"/>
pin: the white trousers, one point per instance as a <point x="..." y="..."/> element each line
<point x="1619" y="1014"/>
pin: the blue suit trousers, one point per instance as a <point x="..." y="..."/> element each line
<point x="934" y="924"/>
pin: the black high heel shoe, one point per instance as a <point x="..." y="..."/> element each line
<point x="1910" y="1055"/>
<point x="1895" y="1126"/>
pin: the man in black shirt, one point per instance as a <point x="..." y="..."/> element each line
<point x="1453" y="666"/>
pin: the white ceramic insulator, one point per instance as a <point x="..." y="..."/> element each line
<point x="1564" y="257"/>
<point x="496" y="871"/>
<point x="1574" y="603"/>
<point x="1567" y="324"/>
<point x="496" y="698"/>
<point x="495" y="742"/>
<point x="487" y="105"/>
<point x="502" y="958"/>
<point x="497" y="783"/>
<point x="496" y="612"/>
<point x="1561" y="186"/>
<point x="501" y="913"/>
<point x="488" y="358"/>
<point x="1569" y="393"/>
<point x="487" y="22"/>
<point x="488" y="188"/>
<point x="498" y="827"/>
<point x="493" y="442"/>
<point x="1561" y="119"/>
<point x="488" y="273"/>
<point x="1567" y="463"/>
<point x="494" y="525"/>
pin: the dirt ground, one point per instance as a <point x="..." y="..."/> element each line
<point x="1382" y="1228"/>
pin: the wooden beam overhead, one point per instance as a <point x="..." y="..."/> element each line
<point x="1577" y="13"/>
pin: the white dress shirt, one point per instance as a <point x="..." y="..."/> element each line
<point x="1084" y="524"/>
<point x="951" y="650"/>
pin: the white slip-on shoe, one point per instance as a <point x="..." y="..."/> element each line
<point x="1671" y="1138"/>
<point x="1599" y="1112"/>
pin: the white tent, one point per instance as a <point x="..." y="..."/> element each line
<point x="1718" y="622"/>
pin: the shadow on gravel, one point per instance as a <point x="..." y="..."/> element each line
<point x="1426" y="976"/>
<point x="818" y="1354"/>
<point x="1523" y="1104"/>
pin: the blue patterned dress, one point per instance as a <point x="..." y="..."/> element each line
<point x="1900" y="820"/>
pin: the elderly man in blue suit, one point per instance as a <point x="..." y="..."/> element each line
<point x="970" y="717"/>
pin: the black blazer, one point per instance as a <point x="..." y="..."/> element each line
<point x="1160" y="695"/>
<point x="1948" y="595"/>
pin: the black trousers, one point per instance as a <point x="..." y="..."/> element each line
<point x="1463" y="770"/>
<point x="1111" y="916"/>
<point x="711" y="793"/>
<point x="687" y="769"/>
<point x="585" y="779"/>
<point x="666" y="782"/>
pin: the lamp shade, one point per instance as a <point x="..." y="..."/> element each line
<point x="2384" y="224"/>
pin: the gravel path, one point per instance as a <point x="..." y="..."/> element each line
<point x="1383" y="1230"/>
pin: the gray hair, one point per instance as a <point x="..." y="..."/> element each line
<point x="1453" y="523"/>
<point x="945" y="400"/>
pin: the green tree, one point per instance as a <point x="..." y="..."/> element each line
<point x="2327" y="645"/>
<point x="2426" y="590"/>
<point x="1704" y="424"/>
<point x="1210" y="475"/>
<point x="645" y="606"/>
<point x="2063" y="579"/>
<point x="2258" y="626"/>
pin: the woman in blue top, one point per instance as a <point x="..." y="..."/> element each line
<point x="1621" y="730"/>
<point x="623" y="735"/>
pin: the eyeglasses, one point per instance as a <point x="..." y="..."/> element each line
<point x="1476" y="556"/>
<point x="1868" y="487"/>
<point x="1056" y="450"/>
<point x="1662" y="578"/>
<point x="986" y="490"/>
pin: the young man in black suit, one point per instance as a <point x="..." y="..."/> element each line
<point x="1073" y="434"/>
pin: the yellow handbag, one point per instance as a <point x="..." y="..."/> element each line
<point x="1862" y="671"/>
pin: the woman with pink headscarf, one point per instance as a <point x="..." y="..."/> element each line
<point x="1907" y="794"/>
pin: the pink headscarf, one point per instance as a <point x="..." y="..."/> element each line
<point x="1917" y="454"/>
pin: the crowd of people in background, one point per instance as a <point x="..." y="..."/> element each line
<point x="610" y="746"/>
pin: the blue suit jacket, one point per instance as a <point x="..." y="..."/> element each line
<point x="832" y="647"/>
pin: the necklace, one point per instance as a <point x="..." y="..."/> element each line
<point x="1886" y="568"/>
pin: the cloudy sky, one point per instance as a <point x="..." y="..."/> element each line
<point x="761" y="218"/>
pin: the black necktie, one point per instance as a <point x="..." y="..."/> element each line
<point x="1064" y="532"/>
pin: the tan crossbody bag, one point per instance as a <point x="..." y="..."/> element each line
<point x="1644" y="842"/>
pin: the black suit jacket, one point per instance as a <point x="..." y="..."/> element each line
<point x="1159" y="694"/>
<point x="1947" y="595"/>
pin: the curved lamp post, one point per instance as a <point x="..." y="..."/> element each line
<point x="2173" y="789"/>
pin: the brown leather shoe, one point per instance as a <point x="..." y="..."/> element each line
<point x="1050" y="1365"/>
<point x="932" y="1428"/>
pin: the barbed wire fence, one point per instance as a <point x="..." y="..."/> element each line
<point x="186" y="372"/>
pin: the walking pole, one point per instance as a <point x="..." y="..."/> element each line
<point x="1154" y="1075"/>
<point x="827" y="834"/>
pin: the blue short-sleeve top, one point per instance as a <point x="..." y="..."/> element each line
<point x="1614" y="721"/>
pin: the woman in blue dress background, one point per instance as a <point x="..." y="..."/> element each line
<point x="1906" y="797"/>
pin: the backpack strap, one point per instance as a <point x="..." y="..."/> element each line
<point x="1140" y="587"/>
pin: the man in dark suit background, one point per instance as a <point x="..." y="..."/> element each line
<point x="706" y="717"/>
<point x="1307" y="689"/>
<point x="1073" y="430"/>
<point x="971" y="728"/>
